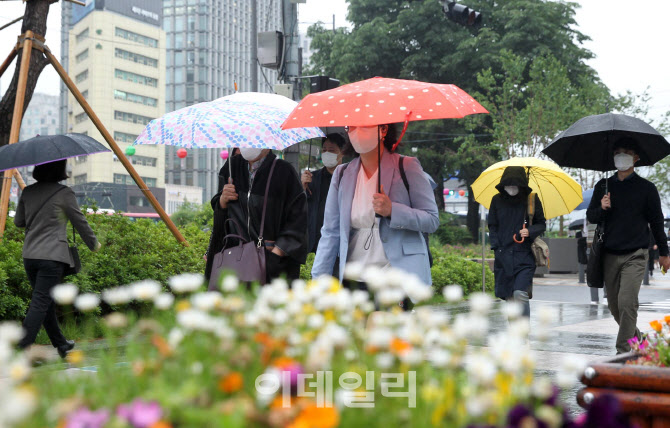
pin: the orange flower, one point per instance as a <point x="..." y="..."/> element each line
<point x="399" y="346"/>
<point x="161" y="424"/>
<point x="231" y="383"/>
<point x="162" y="345"/>
<point x="667" y="319"/>
<point x="316" y="417"/>
<point x="656" y="325"/>
<point x="283" y="362"/>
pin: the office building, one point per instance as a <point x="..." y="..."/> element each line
<point x="116" y="57"/>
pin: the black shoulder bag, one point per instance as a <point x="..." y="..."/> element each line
<point x="595" y="277"/>
<point x="74" y="251"/>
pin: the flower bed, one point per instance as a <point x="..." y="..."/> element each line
<point x="313" y="355"/>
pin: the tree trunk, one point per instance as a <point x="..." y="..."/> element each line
<point x="439" y="194"/>
<point x="35" y="20"/>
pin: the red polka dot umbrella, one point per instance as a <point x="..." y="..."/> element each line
<point x="379" y="101"/>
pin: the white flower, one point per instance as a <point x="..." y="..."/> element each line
<point x="164" y="301"/>
<point x="478" y="325"/>
<point x="196" y="368"/>
<point x="186" y="283"/>
<point x="350" y="355"/>
<point x="453" y="293"/>
<point x="573" y="364"/>
<point x="337" y="334"/>
<point x="390" y="296"/>
<point x="413" y="357"/>
<point x="193" y="319"/>
<point x="6" y="351"/>
<point x="565" y="380"/>
<point x="439" y="358"/>
<point x="206" y="301"/>
<point x="145" y="290"/>
<point x="87" y="302"/>
<point x="542" y="388"/>
<point x="117" y="296"/>
<point x="476" y="405"/>
<point x="19" y="369"/>
<point x="17" y="406"/>
<point x="280" y="317"/>
<point x="10" y="332"/>
<point x="519" y="328"/>
<point x="251" y="319"/>
<point x="175" y="337"/>
<point x="354" y="271"/>
<point x="380" y="337"/>
<point x="480" y="368"/>
<point x="359" y="297"/>
<point x="385" y="360"/>
<point x="315" y="321"/>
<point x="319" y="356"/>
<point x="480" y="303"/>
<point x="375" y="278"/>
<point x="116" y="320"/>
<point x="230" y="283"/>
<point x="417" y="290"/>
<point x="512" y="309"/>
<point x="64" y="294"/>
<point x="547" y="315"/>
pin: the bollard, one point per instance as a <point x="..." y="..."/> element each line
<point x="582" y="273"/>
<point x="645" y="281"/>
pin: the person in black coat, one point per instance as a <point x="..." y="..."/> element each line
<point x="241" y="199"/>
<point x="514" y="262"/>
<point x="317" y="184"/>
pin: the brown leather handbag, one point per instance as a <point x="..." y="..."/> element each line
<point x="247" y="259"/>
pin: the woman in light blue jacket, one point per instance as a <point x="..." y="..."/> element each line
<point x="350" y="227"/>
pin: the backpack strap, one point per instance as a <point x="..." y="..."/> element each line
<point x="531" y="208"/>
<point x="401" y="166"/>
<point x="339" y="179"/>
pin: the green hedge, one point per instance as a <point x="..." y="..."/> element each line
<point x="451" y="232"/>
<point x="131" y="251"/>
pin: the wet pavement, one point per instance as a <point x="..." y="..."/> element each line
<point x="583" y="329"/>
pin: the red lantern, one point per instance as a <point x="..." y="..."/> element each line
<point x="445" y="192"/>
<point x="181" y="153"/>
<point x="461" y="192"/>
<point x="224" y="154"/>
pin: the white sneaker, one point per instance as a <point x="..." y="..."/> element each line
<point x="593" y="302"/>
<point x="604" y="300"/>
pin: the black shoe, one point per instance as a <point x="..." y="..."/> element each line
<point x="64" y="349"/>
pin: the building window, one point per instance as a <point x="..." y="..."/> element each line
<point x="81" y="117"/>
<point x="138" y="201"/>
<point x="80" y="179"/>
<point x="144" y="161"/>
<point x="85" y="94"/>
<point x="122" y="137"/>
<point x="134" y="98"/>
<point x="128" y="180"/>
<point x="140" y="59"/>
<point x="136" y="78"/>
<point x="138" y="38"/>
<point x="78" y="160"/>
<point x="83" y="35"/>
<point x="82" y="56"/>
<point x="131" y="117"/>
<point x="81" y="76"/>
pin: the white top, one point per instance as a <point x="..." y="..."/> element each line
<point x="365" y="244"/>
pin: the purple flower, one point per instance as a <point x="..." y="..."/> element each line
<point x="517" y="414"/>
<point x="605" y="411"/>
<point x="140" y="414"/>
<point x="85" y="418"/>
<point x="633" y="341"/>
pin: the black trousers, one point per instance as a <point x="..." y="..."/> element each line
<point x="43" y="276"/>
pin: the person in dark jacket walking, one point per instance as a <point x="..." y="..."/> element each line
<point x="514" y="262"/>
<point x="316" y="186"/>
<point x="629" y="206"/>
<point x="241" y="199"/>
<point x="44" y="210"/>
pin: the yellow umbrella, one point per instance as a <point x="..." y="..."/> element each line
<point x="558" y="192"/>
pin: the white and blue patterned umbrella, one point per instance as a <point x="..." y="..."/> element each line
<point x="248" y="119"/>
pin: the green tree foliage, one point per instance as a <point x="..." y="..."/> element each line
<point x="414" y="40"/>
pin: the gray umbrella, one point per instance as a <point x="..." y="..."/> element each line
<point x="47" y="148"/>
<point x="589" y="142"/>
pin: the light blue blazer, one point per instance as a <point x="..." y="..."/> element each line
<point x="401" y="234"/>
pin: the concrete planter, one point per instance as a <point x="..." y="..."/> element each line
<point x="643" y="391"/>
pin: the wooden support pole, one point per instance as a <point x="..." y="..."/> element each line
<point x="16" y="124"/>
<point x="19" y="179"/>
<point x="115" y="148"/>
<point x="8" y="61"/>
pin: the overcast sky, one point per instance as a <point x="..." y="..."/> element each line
<point x="629" y="41"/>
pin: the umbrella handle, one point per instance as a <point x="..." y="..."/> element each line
<point x="522" y="239"/>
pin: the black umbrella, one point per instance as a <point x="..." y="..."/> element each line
<point x="589" y="142"/>
<point x="577" y="225"/>
<point x="47" y="148"/>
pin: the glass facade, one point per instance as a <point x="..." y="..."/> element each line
<point x="208" y="51"/>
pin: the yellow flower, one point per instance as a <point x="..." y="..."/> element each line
<point x="430" y="392"/>
<point x="335" y="286"/>
<point x="182" y="305"/>
<point x="308" y="309"/>
<point x="503" y="384"/>
<point x="75" y="357"/>
<point x="329" y="315"/>
<point x="359" y="315"/>
<point x="656" y="325"/>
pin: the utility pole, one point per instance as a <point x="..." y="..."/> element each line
<point x="292" y="66"/>
<point x="254" y="45"/>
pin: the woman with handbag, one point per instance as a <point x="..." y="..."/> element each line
<point x="260" y="220"/>
<point x="511" y="238"/>
<point x="44" y="210"/>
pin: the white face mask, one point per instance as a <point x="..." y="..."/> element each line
<point x="329" y="159"/>
<point x="364" y="139"/>
<point x="512" y="190"/>
<point x="623" y="162"/>
<point x="250" y="153"/>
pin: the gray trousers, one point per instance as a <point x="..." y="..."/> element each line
<point x="623" y="278"/>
